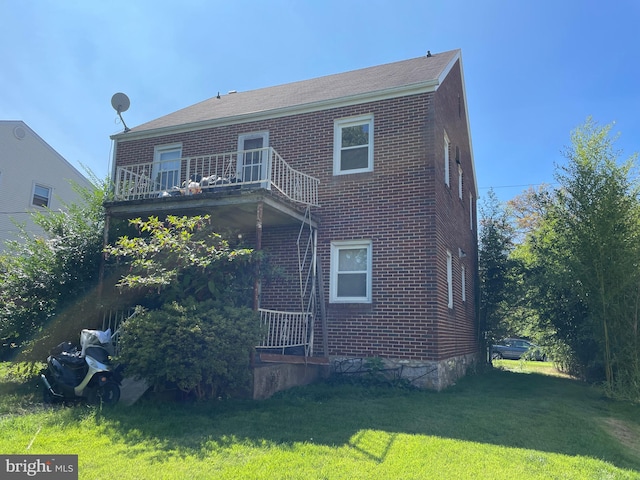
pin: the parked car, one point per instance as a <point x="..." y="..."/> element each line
<point x="515" y="348"/>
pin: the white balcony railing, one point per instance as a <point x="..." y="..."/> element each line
<point x="287" y="329"/>
<point x="193" y="175"/>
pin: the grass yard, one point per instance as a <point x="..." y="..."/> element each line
<point x="524" y="366"/>
<point x="499" y="425"/>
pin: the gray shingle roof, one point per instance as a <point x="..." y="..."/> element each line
<point x="383" y="79"/>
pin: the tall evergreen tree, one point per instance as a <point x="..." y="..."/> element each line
<point x="495" y="266"/>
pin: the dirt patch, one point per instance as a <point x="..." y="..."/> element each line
<point x="626" y="433"/>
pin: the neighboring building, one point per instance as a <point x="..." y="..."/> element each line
<point x="33" y="177"/>
<point x="361" y="188"/>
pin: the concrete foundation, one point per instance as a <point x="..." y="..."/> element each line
<point x="273" y="373"/>
<point x="433" y="375"/>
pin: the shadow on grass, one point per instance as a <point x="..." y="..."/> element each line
<point x="501" y="408"/>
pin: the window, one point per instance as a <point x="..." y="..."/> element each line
<point x="166" y="166"/>
<point x="471" y="211"/>
<point x="463" y="278"/>
<point x="351" y="271"/>
<point x="253" y="157"/>
<point x="447" y="145"/>
<point x="460" y="181"/>
<point x="41" y="196"/>
<point x="449" y="279"/>
<point x="353" y="145"/>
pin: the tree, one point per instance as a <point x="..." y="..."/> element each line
<point x="197" y="332"/>
<point x="598" y="207"/>
<point x="528" y="209"/>
<point x="181" y="257"/>
<point x="42" y="276"/>
<point x="495" y="267"/>
<point x="587" y="258"/>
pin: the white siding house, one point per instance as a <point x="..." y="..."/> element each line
<point x="32" y="176"/>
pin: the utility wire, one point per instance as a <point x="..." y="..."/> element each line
<point x="519" y="186"/>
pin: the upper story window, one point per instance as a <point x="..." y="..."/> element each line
<point x="353" y="145"/>
<point x="460" y="181"/>
<point x="166" y="166"/>
<point x="253" y="157"/>
<point x="447" y="146"/>
<point x="471" y="212"/>
<point x="41" y="195"/>
<point x="351" y="271"/>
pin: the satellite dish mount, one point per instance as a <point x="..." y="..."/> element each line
<point x="120" y="103"/>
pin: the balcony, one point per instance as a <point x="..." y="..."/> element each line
<point x="260" y="168"/>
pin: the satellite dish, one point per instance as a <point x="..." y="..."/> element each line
<point x="120" y="103"/>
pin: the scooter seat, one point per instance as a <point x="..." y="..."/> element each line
<point x="70" y="360"/>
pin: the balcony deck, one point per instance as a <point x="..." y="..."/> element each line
<point x="226" y="186"/>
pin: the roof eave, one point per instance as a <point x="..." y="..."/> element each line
<point x="366" y="97"/>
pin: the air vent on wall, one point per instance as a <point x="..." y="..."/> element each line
<point x="19" y="132"/>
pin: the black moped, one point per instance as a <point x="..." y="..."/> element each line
<point x="85" y="374"/>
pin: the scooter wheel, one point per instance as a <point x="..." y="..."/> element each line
<point x="109" y="394"/>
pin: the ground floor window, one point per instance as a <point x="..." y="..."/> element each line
<point x="351" y="271"/>
<point x="463" y="279"/>
<point x="449" y="279"/>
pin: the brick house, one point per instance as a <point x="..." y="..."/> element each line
<point x="359" y="186"/>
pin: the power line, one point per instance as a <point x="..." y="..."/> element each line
<point x="519" y="186"/>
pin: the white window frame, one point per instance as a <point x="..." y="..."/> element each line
<point x="463" y="279"/>
<point x="447" y="146"/>
<point x="157" y="154"/>
<point x="460" y="181"/>
<point x="48" y="197"/>
<point x="471" y="211"/>
<point x="449" y="279"/>
<point x="336" y="248"/>
<point x="337" y="143"/>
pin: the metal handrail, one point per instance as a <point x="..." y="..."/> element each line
<point x="284" y="329"/>
<point x="262" y="167"/>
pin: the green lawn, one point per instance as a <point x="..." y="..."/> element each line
<point x="502" y="424"/>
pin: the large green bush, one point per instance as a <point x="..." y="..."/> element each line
<point x="43" y="276"/>
<point x="202" y="348"/>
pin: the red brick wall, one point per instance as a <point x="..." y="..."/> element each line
<point x="402" y="206"/>
<point x="456" y="333"/>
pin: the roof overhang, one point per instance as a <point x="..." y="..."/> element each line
<point x="406" y="90"/>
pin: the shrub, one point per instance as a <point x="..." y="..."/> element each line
<point x="202" y="348"/>
<point x="42" y="276"/>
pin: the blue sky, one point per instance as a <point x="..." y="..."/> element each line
<point x="534" y="70"/>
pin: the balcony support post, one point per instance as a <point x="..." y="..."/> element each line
<point x="103" y="256"/>
<point x="256" y="282"/>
